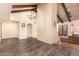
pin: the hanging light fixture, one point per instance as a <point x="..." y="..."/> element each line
<point x="68" y="10"/>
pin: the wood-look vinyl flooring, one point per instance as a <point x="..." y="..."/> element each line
<point x="33" y="47"/>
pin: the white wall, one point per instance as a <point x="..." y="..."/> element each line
<point x="5" y="11"/>
<point x="47" y="14"/>
<point x="75" y="28"/>
<point x="23" y="17"/>
<point x="9" y="29"/>
<point x="71" y="28"/>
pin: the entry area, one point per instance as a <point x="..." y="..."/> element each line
<point x="39" y="29"/>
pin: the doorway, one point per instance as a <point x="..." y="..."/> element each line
<point x="29" y="30"/>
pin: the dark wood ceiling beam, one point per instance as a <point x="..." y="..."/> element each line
<point x="35" y="9"/>
<point x="23" y="6"/>
<point x="64" y="7"/>
<point x="15" y="11"/>
<point x="59" y="18"/>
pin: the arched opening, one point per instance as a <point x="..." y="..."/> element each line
<point x="29" y="30"/>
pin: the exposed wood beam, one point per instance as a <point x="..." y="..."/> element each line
<point x="59" y="18"/>
<point x="35" y="9"/>
<point x="15" y="11"/>
<point x="64" y="7"/>
<point x="23" y="6"/>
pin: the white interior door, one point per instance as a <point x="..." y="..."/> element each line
<point x="29" y="30"/>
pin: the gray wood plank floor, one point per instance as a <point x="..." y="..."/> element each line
<point x="33" y="47"/>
